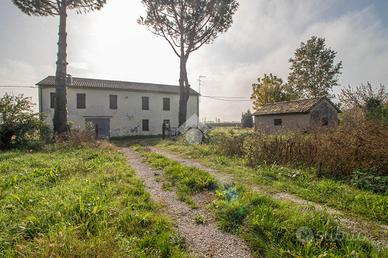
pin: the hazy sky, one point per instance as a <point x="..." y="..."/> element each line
<point x="109" y="44"/>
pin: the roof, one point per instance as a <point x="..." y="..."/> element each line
<point x="77" y="82"/>
<point x="291" y="107"/>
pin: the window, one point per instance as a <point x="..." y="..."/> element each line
<point x="113" y="101"/>
<point x="166" y="122"/>
<point x="277" y="122"/>
<point x="52" y="99"/>
<point x="166" y="104"/>
<point x="145" y="125"/>
<point x="81" y="100"/>
<point x="324" y="121"/>
<point x="145" y="103"/>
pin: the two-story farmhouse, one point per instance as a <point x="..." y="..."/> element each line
<point x="117" y="108"/>
<point x="296" y="115"/>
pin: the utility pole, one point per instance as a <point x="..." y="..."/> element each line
<point x="199" y="90"/>
<point x="200" y="82"/>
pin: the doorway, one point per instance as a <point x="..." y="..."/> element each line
<point x="101" y="125"/>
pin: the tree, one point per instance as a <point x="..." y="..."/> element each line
<point x="59" y="8"/>
<point x="247" y="120"/>
<point x="270" y="89"/>
<point x="186" y="26"/>
<point x="371" y="101"/>
<point x="17" y="120"/>
<point x="313" y="72"/>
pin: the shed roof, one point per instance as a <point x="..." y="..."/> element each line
<point x="77" y="82"/>
<point x="291" y="107"/>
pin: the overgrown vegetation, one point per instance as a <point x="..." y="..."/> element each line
<point x="272" y="228"/>
<point x="186" y="180"/>
<point x="303" y="182"/>
<point x="79" y="202"/>
<point x="279" y="229"/>
<point x="20" y="126"/>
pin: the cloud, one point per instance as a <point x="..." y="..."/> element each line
<point x="110" y="44"/>
<point x="265" y="35"/>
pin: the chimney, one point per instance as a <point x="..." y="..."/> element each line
<point x="69" y="80"/>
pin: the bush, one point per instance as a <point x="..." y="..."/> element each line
<point x="368" y="180"/>
<point x="19" y="125"/>
<point x="356" y="144"/>
<point x="229" y="144"/>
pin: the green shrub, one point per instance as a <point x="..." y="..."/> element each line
<point x="370" y="180"/>
<point x="19" y="125"/>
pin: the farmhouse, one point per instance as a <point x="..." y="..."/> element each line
<point x="296" y="115"/>
<point x="117" y="108"/>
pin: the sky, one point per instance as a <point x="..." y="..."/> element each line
<point x="109" y="44"/>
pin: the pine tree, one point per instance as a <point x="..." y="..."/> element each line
<point x="59" y="8"/>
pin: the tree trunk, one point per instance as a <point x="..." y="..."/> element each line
<point x="184" y="90"/>
<point x="60" y="111"/>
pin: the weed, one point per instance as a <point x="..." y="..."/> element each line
<point x="78" y="202"/>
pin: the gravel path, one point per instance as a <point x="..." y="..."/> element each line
<point x="375" y="232"/>
<point x="204" y="240"/>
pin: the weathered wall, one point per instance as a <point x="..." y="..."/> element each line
<point x="300" y="122"/>
<point x="290" y="122"/>
<point x="127" y="119"/>
<point x="323" y="110"/>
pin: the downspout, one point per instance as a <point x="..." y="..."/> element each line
<point x="40" y="99"/>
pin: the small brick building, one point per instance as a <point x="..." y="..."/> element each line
<point x="297" y="115"/>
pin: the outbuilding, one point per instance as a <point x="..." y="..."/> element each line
<point x="297" y="115"/>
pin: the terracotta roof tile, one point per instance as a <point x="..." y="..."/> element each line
<point x="286" y="107"/>
<point x="119" y="85"/>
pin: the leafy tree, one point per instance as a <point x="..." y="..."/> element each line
<point x="59" y="8"/>
<point x="186" y="26"/>
<point x="270" y="89"/>
<point x="313" y="71"/>
<point x="372" y="102"/>
<point x="17" y="120"/>
<point x="247" y="120"/>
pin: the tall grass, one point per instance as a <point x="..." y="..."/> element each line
<point x="271" y="228"/>
<point x="186" y="180"/>
<point x="79" y="202"/>
<point x="304" y="182"/>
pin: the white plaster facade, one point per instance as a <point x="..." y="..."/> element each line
<point x="126" y="120"/>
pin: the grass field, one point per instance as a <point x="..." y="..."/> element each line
<point x="79" y="202"/>
<point x="272" y="228"/>
<point x="301" y="182"/>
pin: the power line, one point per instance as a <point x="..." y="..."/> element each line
<point x="32" y="87"/>
<point x="226" y="98"/>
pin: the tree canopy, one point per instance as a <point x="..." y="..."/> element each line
<point x="313" y="70"/>
<point x="186" y="26"/>
<point x="247" y="120"/>
<point x="270" y="89"/>
<point x="53" y="7"/>
<point x="59" y="8"/>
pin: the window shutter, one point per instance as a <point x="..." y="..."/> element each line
<point x="52" y="99"/>
<point x="113" y="101"/>
<point x="145" y="103"/>
<point x="81" y="100"/>
<point x="166" y="104"/>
